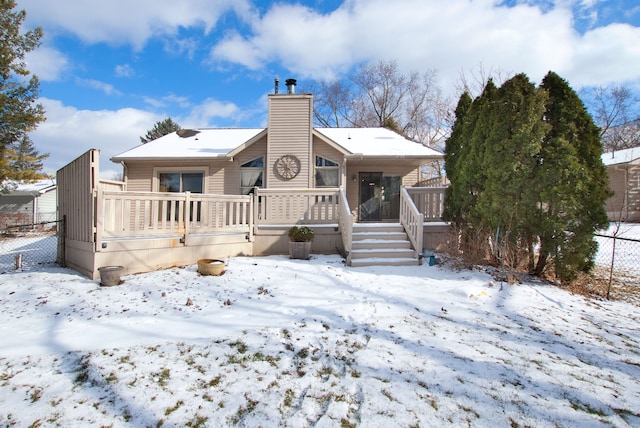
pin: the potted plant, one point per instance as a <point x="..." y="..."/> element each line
<point x="300" y="238"/>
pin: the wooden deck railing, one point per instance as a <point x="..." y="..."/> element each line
<point x="412" y="220"/>
<point x="293" y="206"/>
<point x="152" y="214"/>
<point x="134" y="215"/>
<point x="429" y="201"/>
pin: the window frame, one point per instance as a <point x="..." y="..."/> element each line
<point x="179" y="170"/>
<point x="261" y="169"/>
<point x="328" y="168"/>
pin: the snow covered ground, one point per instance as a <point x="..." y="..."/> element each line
<point x="279" y="342"/>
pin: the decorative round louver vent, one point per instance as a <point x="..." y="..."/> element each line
<point x="287" y="167"/>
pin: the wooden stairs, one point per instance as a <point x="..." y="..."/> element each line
<point x="381" y="244"/>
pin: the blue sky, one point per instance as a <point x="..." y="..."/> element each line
<point x="110" y="70"/>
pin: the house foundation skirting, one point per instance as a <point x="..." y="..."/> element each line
<point x="154" y="253"/>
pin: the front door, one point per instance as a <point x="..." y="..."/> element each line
<point x="370" y="207"/>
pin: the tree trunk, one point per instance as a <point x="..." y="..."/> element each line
<point x="542" y="262"/>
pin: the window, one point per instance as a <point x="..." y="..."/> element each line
<point x="181" y="182"/>
<point x="251" y="174"/>
<point x="327" y="173"/>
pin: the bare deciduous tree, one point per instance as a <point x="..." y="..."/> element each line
<point x="381" y="95"/>
<point x="475" y="80"/>
<point x="617" y="112"/>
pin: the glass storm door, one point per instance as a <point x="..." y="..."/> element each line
<point x="370" y="196"/>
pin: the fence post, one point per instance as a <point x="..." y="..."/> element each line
<point x="61" y="258"/>
<point x="613" y="256"/>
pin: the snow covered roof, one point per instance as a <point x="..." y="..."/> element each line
<point x="621" y="156"/>
<point x="34" y="188"/>
<point x="206" y="143"/>
<point x="376" y="142"/>
<point x="212" y="143"/>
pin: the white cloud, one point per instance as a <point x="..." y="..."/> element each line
<point x="124" y="70"/>
<point x="107" y="88"/>
<point x="168" y="100"/>
<point x="124" y="21"/>
<point x="47" y="63"/>
<point x="69" y="132"/>
<point x="607" y="55"/>
<point x="448" y="35"/>
<point x="203" y="114"/>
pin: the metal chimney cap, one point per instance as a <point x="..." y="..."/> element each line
<point x="291" y="85"/>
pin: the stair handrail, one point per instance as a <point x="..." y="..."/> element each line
<point x="345" y="221"/>
<point x="412" y="220"/>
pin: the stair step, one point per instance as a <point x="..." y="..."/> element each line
<point x="400" y="261"/>
<point x="382" y="253"/>
<point x="377" y="227"/>
<point x="394" y="236"/>
<point x="380" y="243"/>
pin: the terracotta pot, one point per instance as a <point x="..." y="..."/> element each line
<point x="210" y="267"/>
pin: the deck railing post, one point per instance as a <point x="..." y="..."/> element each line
<point x="99" y="219"/>
<point x="188" y="213"/>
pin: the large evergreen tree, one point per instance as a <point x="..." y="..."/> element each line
<point x="22" y="162"/>
<point x="19" y="111"/>
<point x="573" y="183"/>
<point x="453" y="150"/>
<point x="160" y="128"/>
<point x="526" y="170"/>
<point x="512" y="137"/>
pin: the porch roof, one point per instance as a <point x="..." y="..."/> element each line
<point x="376" y="142"/>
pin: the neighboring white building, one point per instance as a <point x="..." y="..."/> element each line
<point x="29" y="203"/>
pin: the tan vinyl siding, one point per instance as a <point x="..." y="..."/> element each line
<point x="77" y="182"/>
<point x="624" y="181"/>
<point x="141" y="175"/>
<point x="289" y="133"/>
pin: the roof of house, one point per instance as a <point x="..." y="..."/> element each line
<point x="35" y="188"/>
<point x="621" y="156"/>
<point x="206" y="143"/>
<point x="212" y="143"/>
<point x="376" y="142"/>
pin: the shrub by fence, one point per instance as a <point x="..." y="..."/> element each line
<point x="29" y="246"/>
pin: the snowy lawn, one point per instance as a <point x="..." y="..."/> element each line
<point x="279" y="342"/>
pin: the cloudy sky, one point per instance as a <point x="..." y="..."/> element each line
<point x="110" y="70"/>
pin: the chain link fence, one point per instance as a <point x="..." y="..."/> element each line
<point x="30" y="246"/>
<point x="618" y="266"/>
